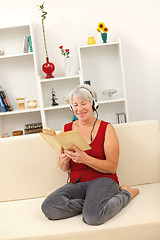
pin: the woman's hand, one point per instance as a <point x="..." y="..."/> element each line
<point x="76" y="155"/>
<point x="111" y="149"/>
<point x="64" y="161"/>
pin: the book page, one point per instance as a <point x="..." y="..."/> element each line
<point x="51" y="140"/>
<point x="74" y="137"/>
<point x="65" y="139"/>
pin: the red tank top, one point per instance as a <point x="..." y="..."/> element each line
<point x="78" y="169"/>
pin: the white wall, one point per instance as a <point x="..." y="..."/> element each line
<point x="68" y="22"/>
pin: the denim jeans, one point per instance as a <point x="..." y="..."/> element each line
<point x="98" y="200"/>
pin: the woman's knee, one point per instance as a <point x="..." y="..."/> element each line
<point x="49" y="211"/>
<point x="93" y="218"/>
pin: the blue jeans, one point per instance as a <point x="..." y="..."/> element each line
<point x="98" y="200"/>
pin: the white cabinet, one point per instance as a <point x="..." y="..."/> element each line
<point x="102" y="65"/>
<point x="17" y="78"/>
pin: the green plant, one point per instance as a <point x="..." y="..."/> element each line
<point x="43" y="16"/>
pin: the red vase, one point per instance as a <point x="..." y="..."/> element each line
<point x="48" y="68"/>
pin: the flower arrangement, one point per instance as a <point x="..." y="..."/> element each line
<point x="68" y="64"/>
<point x="101" y="27"/>
<point x="103" y="31"/>
<point x="64" y="52"/>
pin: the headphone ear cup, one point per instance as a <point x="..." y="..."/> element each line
<point x="94" y="105"/>
<point x="71" y="108"/>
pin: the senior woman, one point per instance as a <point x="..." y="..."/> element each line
<point x="93" y="189"/>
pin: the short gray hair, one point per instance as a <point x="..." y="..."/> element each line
<point x="84" y="91"/>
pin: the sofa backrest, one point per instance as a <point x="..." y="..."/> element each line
<point x="139" y="161"/>
<point x="29" y="166"/>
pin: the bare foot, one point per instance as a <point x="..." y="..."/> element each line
<point x="132" y="191"/>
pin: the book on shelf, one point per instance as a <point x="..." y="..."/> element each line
<point x="2" y="104"/>
<point x="30" y="43"/>
<point x="33" y="128"/>
<point x="64" y="139"/>
<point x="6" y="103"/>
<point x="26" y="44"/>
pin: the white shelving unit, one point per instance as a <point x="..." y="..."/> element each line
<point x="17" y="78"/>
<point x="19" y="75"/>
<point x="102" y="65"/>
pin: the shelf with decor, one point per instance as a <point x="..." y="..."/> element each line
<point x="18" y="77"/>
<point x="102" y="65"/>
<point x="56" y="116"/>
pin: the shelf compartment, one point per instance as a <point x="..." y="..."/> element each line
<point x="18" y="79"/>
<point x="107" y="112"/>
<point x="15" y="122"/>
<point x="62" y="90"/>
<point x="102" y="66"/>
<point x="12" y="39"/>
<point x="57" y="118"/>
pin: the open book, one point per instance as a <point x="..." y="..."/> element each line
<point x="64" y="139"/>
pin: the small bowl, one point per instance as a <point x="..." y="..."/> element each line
<point x="32" y="103"/>
<point x="17" y="133"/>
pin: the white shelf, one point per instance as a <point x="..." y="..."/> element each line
<point x="61" y="106"/>
<point x="99" y="45"/>
<point x="9" y="27"/>
<point x="58" y="78"/>
<point x="56" y="107"/>
<point x="27" y="110"/>
<point x="112" y="100"/>
<point x="16" y="55"/>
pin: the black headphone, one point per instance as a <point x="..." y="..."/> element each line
<point x="94" y="102"/>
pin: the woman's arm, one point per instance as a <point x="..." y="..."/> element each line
<point x="111" y="149"/>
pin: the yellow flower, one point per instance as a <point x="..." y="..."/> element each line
<point x="105" y="29"/>
<point x="98" y="30"/>
<point x="101" y="25"/>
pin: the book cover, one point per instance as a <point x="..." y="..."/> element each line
<point x="5" y="100"/>
<point x="26" y="45"/>
<point x="65" y="139"/>
<point x="2" y="104"/>
<point x="33" y="128"/>
<point x="30" y="43"/>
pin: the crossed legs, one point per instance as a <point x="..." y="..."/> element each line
<point x="97" y="200"/>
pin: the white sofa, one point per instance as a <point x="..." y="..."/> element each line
<point x="29" y="172"/>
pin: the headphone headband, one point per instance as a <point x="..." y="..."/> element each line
<point x="94" y="102"/>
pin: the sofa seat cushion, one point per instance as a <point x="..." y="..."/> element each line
<point x="23" y="220"/>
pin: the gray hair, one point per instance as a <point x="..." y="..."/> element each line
<point x="84" y="91"/>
